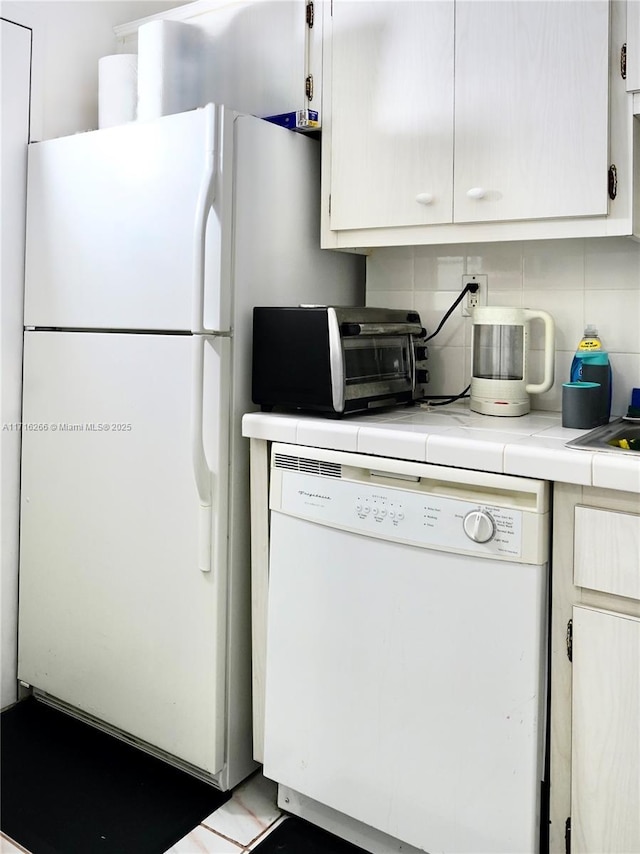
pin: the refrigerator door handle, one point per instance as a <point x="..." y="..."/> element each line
<point x="206" y="198"/>
<point x="201" y="470"/>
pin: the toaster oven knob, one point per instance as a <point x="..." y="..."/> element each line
<point x="422" y="376"/>
<point x="479" y="526"/>
<point x="422" y="353"/>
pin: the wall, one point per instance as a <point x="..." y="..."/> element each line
<point x="576" y="281"/>
<point x="68" y="40"/>
<point x="15" y="62"/>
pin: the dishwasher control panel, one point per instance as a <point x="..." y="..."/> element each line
<point x="405" y="515"/>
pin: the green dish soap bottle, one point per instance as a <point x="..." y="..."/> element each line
<point x="591" y="364"/>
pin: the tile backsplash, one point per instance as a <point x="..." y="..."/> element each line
<point x="577" y="281"/>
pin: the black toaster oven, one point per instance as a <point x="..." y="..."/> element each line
<point x="336" y="360"/>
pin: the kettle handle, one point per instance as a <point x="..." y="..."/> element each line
<point x="549" y="350"/>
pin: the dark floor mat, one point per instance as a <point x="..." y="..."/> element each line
<point x="295" y="836"/>
<point x="68" y="788"/>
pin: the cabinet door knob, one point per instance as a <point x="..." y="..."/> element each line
<point x="424" y="198"/>
<point x="476" y="193"/>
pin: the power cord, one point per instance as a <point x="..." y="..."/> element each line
<point x="443" y="399"/>
<point x="470" y="287"/>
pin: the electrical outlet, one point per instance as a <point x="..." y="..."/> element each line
<point x="472" y="300"/>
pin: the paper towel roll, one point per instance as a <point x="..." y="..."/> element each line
<point x="117" y="89"/>
<point x="170" y="68"/>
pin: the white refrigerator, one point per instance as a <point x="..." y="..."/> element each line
<point x="147" y="246"/>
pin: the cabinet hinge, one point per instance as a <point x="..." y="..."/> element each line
<point x="570" y="640"/>
<point x="308" y="87"/>
<point x="567" y="836"/>
<point x="612" y="180"/>
<point x="623" y="61"/>
<point x="329" y="205"/>
<point x="310" y="14"/>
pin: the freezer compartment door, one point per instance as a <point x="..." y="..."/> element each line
<point x="114" y="226"/>
<point x="117" y="617"/>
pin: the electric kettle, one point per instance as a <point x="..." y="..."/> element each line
<point x="500" y="355"/>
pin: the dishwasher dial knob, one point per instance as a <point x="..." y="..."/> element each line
<point x="479" y="526"/>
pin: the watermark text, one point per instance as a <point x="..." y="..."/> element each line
<point x="67" y="427"/>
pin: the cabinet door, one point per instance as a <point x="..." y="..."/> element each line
<point x="633" y="47"/>
<point x="531" y="109"/>
<point x="391" y="119"/>
<point x="605" y="784"/>
<point x="607" y="551"/>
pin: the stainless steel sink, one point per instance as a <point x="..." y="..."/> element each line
<point x="601" y="438"/>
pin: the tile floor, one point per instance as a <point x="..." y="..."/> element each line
<point x="236" y="827"/>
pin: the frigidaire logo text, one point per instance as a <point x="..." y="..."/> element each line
<point x="314" y="495"/>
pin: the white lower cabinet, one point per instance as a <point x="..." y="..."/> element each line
<point x="595" y="672"/>
<point x="605" y="747"/>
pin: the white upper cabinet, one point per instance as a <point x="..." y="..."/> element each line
<point x="261" y="57"/>
<point x="632" y="57"/>
<point x="474" y="120"/>
<point x="392" y="113"/>
<point x="531" y="105"/>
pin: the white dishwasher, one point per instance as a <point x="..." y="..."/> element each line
<point x="406" y="647"/>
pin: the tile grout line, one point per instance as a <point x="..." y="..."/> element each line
<point x="266" y="832"/>
<point x="243" y="846"/>
<point x="220" y="835"/>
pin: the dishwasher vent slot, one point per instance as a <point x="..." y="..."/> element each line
<point x="285" y="461"/>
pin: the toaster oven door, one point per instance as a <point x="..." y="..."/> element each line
<point x="378" y="366"/>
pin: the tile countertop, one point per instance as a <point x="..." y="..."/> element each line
<point x="530" y="445"/>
